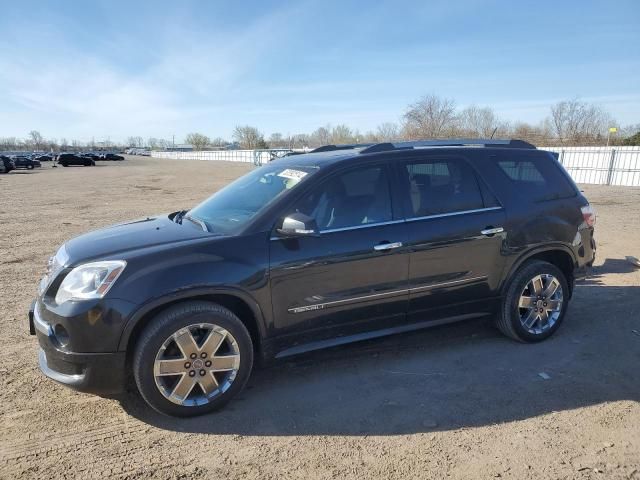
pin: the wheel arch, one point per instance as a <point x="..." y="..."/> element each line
<point x="559" y="255"/>
<point x="240" y="303"/>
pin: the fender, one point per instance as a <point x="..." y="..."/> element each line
<point x="185" y="294"/>
<point x="527" y="254"/>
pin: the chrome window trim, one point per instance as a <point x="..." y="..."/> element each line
<point x="344" y="229"/>
<point x="405" y="220"/>
<point x="322" y="306"/>
<point x="357" y="227"/>
<point x="452" y="214"/>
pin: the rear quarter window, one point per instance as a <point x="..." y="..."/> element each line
<point x="537" y="176"/>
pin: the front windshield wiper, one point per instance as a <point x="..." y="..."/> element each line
<point x="197" y="221"/>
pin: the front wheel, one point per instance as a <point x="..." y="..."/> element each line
<point x="535" y="302"/>
<point x="192" y="359"/>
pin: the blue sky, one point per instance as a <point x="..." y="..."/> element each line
<point x="111" y="69"/>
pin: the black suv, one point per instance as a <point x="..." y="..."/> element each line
<point x="26" y="162"/>
<point x="6" y="164"/>
<point x="66" y="159"/>
<point x="310" y="251"/>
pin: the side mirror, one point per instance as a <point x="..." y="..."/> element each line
<point x="298" y="225"/>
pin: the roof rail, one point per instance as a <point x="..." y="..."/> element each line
<point x="331" y="148"/>
<point x="453" y="142"/>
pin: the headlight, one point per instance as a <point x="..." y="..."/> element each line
<point x="55" y="265"/>
<point x="91" y="280"/>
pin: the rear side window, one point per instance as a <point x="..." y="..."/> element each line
<point x="442" y="186"/>
<point x="536" y="176"/>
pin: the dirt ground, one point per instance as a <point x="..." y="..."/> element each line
<point x="459" y="401"/>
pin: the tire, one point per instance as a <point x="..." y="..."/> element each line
<point x="525" y="297"/>
<point x="157" y="344"/>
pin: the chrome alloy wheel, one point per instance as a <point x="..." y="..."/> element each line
<point x="540" y="303"/>
<point x="196" y="364"/>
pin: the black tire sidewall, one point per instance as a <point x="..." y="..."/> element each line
<point x="524" y="275"/>
<point x="166" y="324"/>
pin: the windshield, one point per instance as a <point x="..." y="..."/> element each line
<point x="229" y="209"/>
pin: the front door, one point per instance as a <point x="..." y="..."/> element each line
<point x="352" y="277"/>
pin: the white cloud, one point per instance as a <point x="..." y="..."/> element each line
<point x="65" y="91"/>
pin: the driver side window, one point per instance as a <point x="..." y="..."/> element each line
<point x="351" y="199"/>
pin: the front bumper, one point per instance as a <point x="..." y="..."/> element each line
<point x="98" y="373"/>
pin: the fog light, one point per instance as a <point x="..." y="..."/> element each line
<point x="61" y="335"/>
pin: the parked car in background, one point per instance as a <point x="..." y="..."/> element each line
<point x="26" y="163"/>
<point x="6" y="164"/>
<point x="111" y="157"/>
<point x="91" y="155"/>
<point x="44" y="158"/>
<point x="313" y="251"/>
<point x="68" y="159"/>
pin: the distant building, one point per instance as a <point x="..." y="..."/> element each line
<point x="184" y="147"/>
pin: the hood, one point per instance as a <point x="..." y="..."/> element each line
<point x="127" y="237"/>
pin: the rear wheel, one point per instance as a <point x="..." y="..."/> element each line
<point x="535" y="302"/>
<point x="192" y="359"/>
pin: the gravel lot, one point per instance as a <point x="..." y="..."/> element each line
<point x="459" y="401"/>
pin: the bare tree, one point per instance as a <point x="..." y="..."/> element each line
<point x="248" y="137"/>
<point x="36" y="139"/>
<point x="369" y="137"/>
<point x="299" y="140"/>
<point x="9" y="143"/>
<point x="540" y="134"/>
<point x="276" y="140"/>
<point x="430" y="117"/>
<point x="135" y="142"/>
<point x="387" y="132"/>
<point x="153" y="143"/>
<point x="320" y="136"/>
<point x="476" y="122"/>
<point x="197" y="140"/>
<point x="577" y="122"/>
<point x="219" y="142"/>
<point x="341" y="134"/>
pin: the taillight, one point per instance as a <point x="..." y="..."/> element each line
<point x="589" y="215"/>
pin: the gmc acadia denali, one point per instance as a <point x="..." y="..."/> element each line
<point x="346" y="243"/>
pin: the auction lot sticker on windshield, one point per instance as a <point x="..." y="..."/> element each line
<point x="294" y="174"/>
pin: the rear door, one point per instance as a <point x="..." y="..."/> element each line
<point x="455" y="229"/>
<point x="352" y="277"/>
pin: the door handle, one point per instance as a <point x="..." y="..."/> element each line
<point x="387" y="246"/>
<point x="491" y="231"/>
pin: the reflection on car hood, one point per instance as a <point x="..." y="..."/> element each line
<point x="126" y="237"/>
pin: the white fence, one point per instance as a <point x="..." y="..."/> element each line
<point x="601" y="165"/>
<point x="598" y="165"/>
<point x="257" y="157"/>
